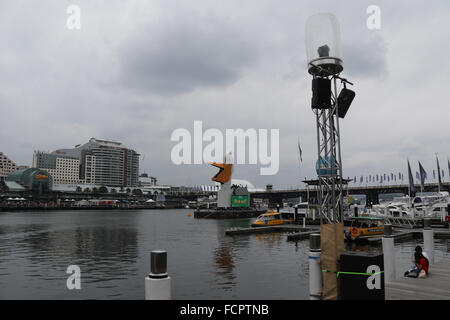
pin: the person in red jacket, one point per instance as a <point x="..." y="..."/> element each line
<point x="420" y="263"/>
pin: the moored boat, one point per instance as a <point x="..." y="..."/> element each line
<point x="268" y="219"/>
<point x="363" y="228"/>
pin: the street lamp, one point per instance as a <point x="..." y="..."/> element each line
<point x="325" y="63"/>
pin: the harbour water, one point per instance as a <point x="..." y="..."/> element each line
<point x="112" y="248"/>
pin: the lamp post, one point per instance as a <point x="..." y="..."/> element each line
<point x="325" y="65"/>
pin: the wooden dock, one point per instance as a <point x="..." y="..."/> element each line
<point x="435" y="287"/>
<point x="301" y="235"/>
<point x="267" y="229"/>
<point x="408" y="234"/>
<point x="227" y="213"/>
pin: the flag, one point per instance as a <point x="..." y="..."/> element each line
<point x="423" y="176"/>
<point x="300" y="150"/>
<point x="439" y="174"/>
<point x="411" y="179"/>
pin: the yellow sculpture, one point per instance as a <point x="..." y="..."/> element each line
<point x="224" y="174"/>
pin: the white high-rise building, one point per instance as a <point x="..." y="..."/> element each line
<point x="63" y="169"/>
<point x="6" y="166"/>
<point x="106" y="163"/>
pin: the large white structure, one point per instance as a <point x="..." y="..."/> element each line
<point x="63" y="169"/>
<point x="97" y="162"/>
<point x="224" y="196"/>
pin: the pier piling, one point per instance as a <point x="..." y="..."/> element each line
<point x="428" y="240"/>
<point x="315" y="270"/>
<point x="388" y="254"/>
<point x="157" y="283"/>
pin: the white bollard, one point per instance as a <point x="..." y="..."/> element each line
<point x="157" y="283"/>
<point x="428" y="240"/>
<point x="388" y="254"/>
<point x="315" y="270"/>
<point x="304" y="223"/>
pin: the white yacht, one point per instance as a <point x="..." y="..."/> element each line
<point x="421" y="206"/>
<point x="433" y="206"/>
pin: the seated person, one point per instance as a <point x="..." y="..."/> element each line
<point x="420" y="262"/>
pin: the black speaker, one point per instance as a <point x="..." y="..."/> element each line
<point x="344" y="101"/>
<point x="321" y="93"/>
<point x="361" y="276"/>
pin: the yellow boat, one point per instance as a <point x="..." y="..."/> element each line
<point x="364" y="228"/>
<point x="268" y="219"/>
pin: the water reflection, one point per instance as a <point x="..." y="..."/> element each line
<point x="105" y="251"/>
<point x="112" y="250"/>
<point x="224" y="267"/>
<point x="223" y="256"/>
<point x="271" y="239"/>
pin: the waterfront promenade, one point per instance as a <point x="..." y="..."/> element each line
<point x="435" y="287"/>
<point x="51" y="205"/>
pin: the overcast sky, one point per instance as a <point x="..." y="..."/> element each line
<point x="138" y="70"/>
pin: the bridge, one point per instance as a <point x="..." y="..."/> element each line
<point x="371" y="192"/>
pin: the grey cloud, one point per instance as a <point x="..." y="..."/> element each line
<point x="367" y="57"/>
<point x="177" y="56"/>
<point x="56" y="90"/>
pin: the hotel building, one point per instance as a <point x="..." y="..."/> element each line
<point x="63" y="169"/>
<point x="6" y="166"/>
<point x="106" y="163"/>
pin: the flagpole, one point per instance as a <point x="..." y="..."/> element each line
<point x="439" y="173"/>
<point x="301" y="160"/>
<point x="448" y="165"/>
<point x="409" y="177"/>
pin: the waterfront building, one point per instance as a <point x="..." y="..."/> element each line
<point x="31" y="179"/>
<point x="105" y="163"/>
<point x="63" y="169"/>
<point x="146" y="181"/>
<point x="6" y="166"/>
